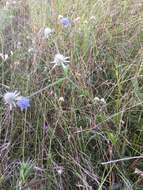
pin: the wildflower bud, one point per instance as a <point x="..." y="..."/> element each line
<point x="61" y="99"/>
<point x="30" y="50"/>
<point x="103" y="100"/>
<point x="92" y="18"/>
<point x="69" y="138"/>
<point x="96" y="99"/>
<point x="4" y="56"/>
<point x="77" y="20"/>
<point x="11" y="52"/>
<point x="59" y="170"/>
<point x="59" y="17"/>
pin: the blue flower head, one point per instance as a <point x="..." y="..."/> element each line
<point x="23" y="103"/>
<point x="65" y="22"/>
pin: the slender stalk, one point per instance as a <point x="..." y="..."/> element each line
<point x="122" y="159"/>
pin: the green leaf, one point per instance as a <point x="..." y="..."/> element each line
<point x="112" y="137"/>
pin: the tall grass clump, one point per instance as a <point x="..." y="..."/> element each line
<point x="71" y="93"/>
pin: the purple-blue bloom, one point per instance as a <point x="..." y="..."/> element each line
<point x="65" y="22"/>
<point x="23" y="103"/>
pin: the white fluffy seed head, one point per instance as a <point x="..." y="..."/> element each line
<point x="10" y="98"/>
<point x="48" y="32"/>
<point x="59" y="59"/>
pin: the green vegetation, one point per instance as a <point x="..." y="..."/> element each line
<point x="84" y="127"/>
